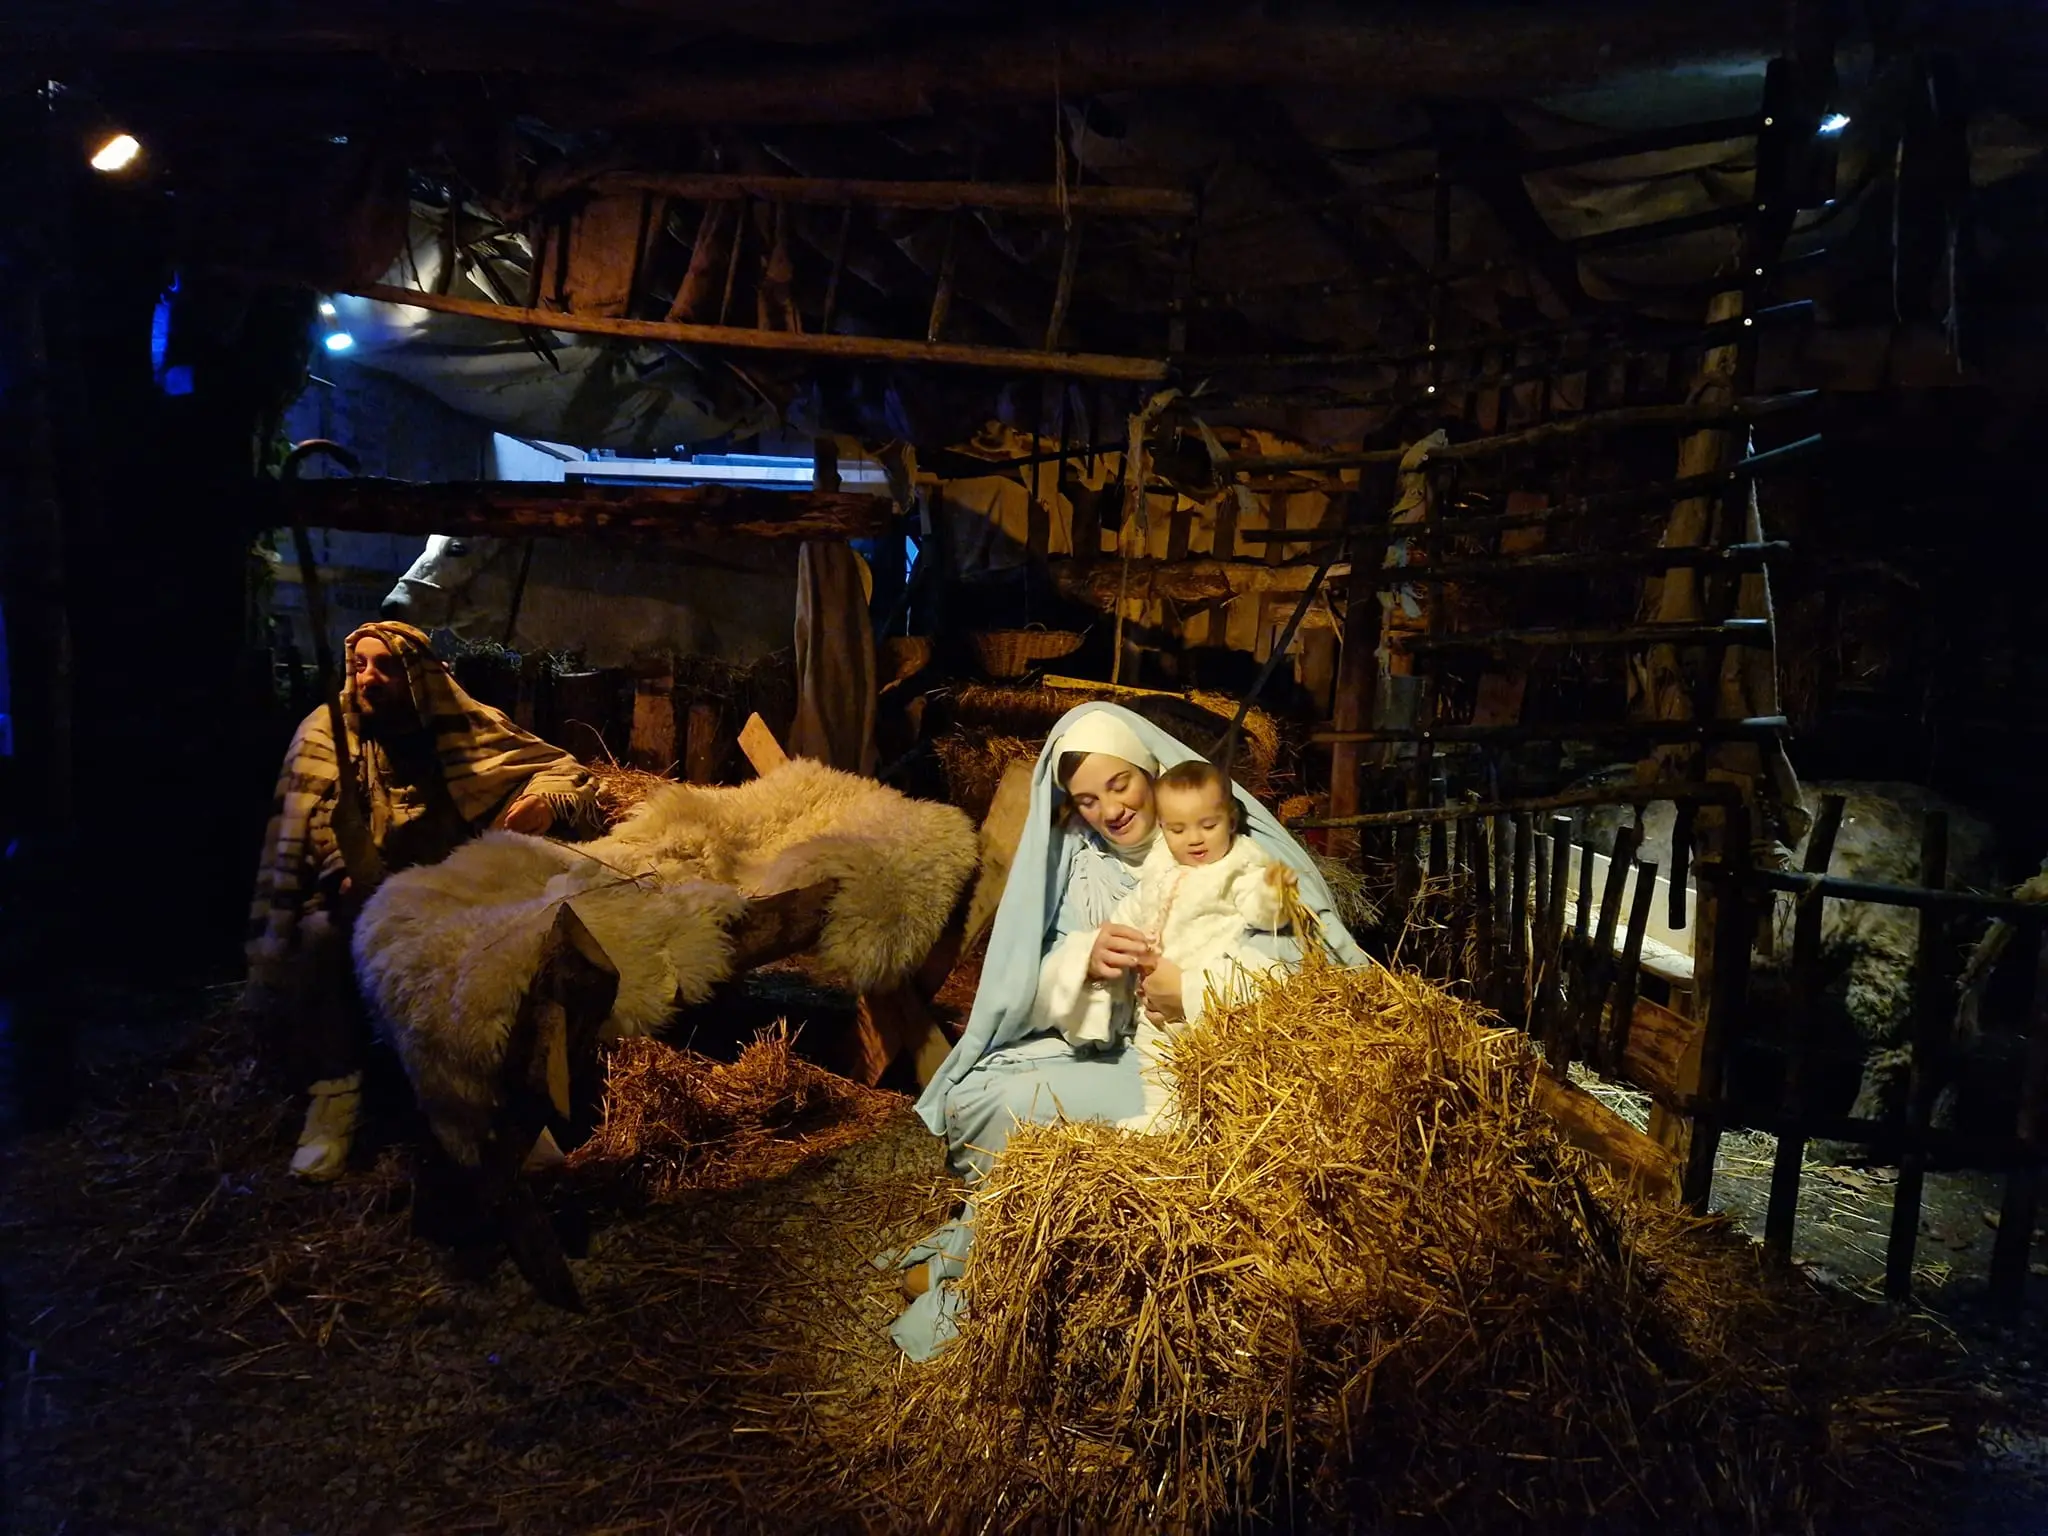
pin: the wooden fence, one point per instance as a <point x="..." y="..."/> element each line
<point x="1489" y="894"/>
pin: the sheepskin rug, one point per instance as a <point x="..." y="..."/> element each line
<point x="444" y="952"/>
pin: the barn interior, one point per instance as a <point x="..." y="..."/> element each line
<point x="1569" y="463"/>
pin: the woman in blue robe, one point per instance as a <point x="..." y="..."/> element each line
<point x="1090" y="824"/>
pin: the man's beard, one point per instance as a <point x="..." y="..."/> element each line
<point x="382" y="724"/>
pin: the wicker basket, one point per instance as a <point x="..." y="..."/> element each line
<point x="1013" y="652"/>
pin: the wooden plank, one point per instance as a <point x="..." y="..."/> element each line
<point x="1622" y="1009"/>
<point x="1595" y="1129"/>
<point x="761" y="748"/>
<point x="663" y="514"/>
<point x="1662" y="1056"/>
<point x="1045" y="200"/>
<point x="1080" y="365"/>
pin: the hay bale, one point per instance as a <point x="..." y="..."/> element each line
<point x="974" y="766"/>
<point x="994" y="727"/>
<point x="676" y="1120"/>
<point x="1365" y="1282"/>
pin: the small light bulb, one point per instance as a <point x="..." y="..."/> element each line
<point x="340" y="341"/>
<point x="1430" y="390"/>
<point x="327" y="305"/>
<point x="1747" y="321"/>
<point x="117" y="153"/>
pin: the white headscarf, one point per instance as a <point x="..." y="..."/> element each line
<point x="1101" y="731"/>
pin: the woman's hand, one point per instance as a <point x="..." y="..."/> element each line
<point x="1161" y="993"/>
<point x="1117" y="948"/>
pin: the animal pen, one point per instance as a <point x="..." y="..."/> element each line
<point x="1518" y="446"/>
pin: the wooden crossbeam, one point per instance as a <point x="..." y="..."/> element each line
<point x="661" y="514"/>
<point x="1046" y="200"/>
<point x="887" y="349"/>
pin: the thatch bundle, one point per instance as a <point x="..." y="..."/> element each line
<point x="1365" y="1283"/>
<point x="676" y="1120"/>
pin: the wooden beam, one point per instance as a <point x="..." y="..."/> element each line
<point x="885" y="349"/>
<point x="1045" y="201"/>
<point x="663" y="514"/>
<point x="1686" y="415"/>
<point x="1598" y="1131"/>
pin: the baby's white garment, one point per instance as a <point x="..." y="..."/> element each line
<point x="1200" y="915"/>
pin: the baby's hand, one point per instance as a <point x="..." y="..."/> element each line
<point x="1282" y="881"/>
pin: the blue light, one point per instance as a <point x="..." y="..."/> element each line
<point x="1833" y="123"/>
<point x="339" y="341"/>
<point x="175" y="380"/>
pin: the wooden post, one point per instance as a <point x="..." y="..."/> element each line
<point x="2021" y="1205"/>
<point x="1782" y="1216"/>
<point x="701" y="744"/>
<point x="1357" y="670"/>
<point x="1731" y="920"/>
<point x="652" y="744"/>
<point x="1931" y="1014"/>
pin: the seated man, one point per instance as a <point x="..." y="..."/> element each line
<point x="430" y="769"/>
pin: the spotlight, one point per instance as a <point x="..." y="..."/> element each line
<point x="1833" y="123"/>
<point x="327" y="309"/>
<point x="339" y="341"/>
<point x="117" y="153"/>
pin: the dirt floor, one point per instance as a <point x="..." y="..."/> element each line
<point x="197" y="1344"/>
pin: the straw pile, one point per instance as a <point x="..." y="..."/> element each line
<point x="1364" y="1283"/>
<point x="675" y="1120"/>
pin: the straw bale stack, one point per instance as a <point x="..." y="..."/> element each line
<point x="1365" y="1285"/>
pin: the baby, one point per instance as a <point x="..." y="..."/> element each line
<point x="1202" y="890"/>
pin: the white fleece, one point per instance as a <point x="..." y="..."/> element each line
<point x="445" y="952"/>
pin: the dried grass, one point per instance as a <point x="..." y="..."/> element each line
<point x="1365" y="1283"/>
<point x="675" y="1120"/>
<point x="620" y="788"/>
